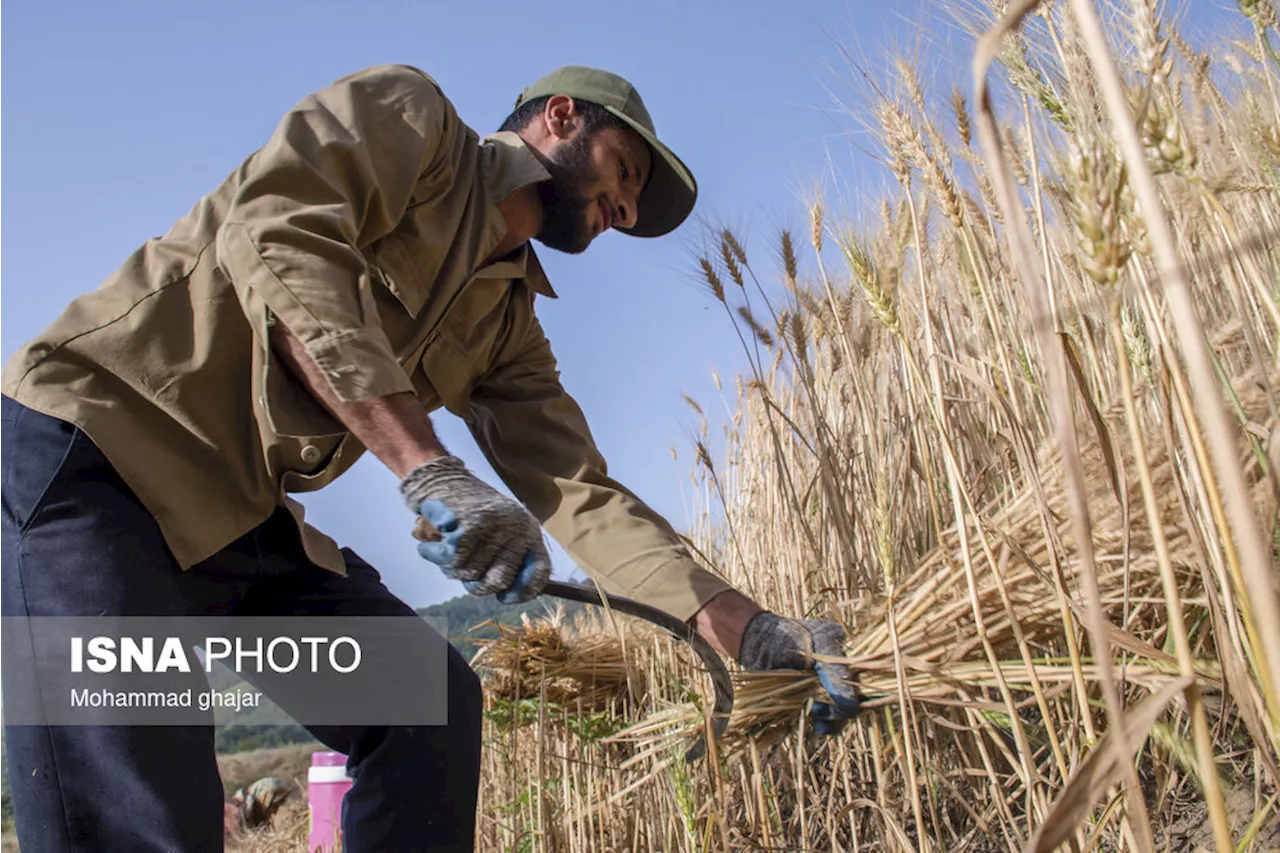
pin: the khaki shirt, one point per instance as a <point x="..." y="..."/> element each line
<point x="361" y="226"/>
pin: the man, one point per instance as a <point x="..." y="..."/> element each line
<point x="367" y="266"/>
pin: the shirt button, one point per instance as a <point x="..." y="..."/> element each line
<point x="310" y="454"/>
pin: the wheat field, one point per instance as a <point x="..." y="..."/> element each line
<point x="1018" y="430"/>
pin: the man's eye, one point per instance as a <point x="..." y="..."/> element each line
<point x="625" y="173"/>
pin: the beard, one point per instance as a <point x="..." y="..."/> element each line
<point x="565" y="200"/>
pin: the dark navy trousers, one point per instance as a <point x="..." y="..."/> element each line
<point x="77" y="542"/>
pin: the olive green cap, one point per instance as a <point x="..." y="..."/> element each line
<point x="669" y="196"/>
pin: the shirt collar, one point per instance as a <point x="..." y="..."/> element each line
<point x="535" y="276"/>
<point x="507" y="164"/>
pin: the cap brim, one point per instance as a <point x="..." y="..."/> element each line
<point x="669" y="196"/>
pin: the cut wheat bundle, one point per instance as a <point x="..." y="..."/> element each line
<point x="545" y="659"/>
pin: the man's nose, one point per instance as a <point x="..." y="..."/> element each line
<point x="625" y="213"/>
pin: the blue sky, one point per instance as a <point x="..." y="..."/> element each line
<point x="118" y="116"/>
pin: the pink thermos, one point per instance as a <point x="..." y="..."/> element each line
<point x="327" y="784"/>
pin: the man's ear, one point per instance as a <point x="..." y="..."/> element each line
<point x="561" y="116"/>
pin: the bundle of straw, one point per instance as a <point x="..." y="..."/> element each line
<point x="541" y="659"/>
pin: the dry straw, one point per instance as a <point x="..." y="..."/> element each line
<point x="536" y="658"/>
<point x="1020" y="434"/>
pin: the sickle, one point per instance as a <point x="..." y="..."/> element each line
<point x="423" y="531"/>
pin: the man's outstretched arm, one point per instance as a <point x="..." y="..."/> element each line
<point x="537" y="439"/>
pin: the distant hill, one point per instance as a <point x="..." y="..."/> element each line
<point x="458" y="617"/>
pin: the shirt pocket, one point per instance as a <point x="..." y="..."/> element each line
<point x="462" y="347"/>
<point x="391" y="265"/>
<point x="434" y="244"/>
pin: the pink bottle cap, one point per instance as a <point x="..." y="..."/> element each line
<point x="328" y="759"/>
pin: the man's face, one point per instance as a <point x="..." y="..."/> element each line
<point x="595" y="182"/>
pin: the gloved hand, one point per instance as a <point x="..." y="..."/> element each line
<point x="771" y="641"/>
<point x="485" y="539"/>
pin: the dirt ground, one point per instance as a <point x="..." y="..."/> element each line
<point x="1192" y="833"/>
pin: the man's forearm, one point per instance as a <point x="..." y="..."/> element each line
<point x="722" y="620"/>
<point x="395" y="428"/>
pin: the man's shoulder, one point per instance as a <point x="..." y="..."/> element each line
<point x="394" y="82"/>
<point x="395" y="88"/>
<point x="391" y="72"/>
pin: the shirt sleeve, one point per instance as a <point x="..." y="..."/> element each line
<point x="337" y="174"/>
<point x="536" y="437"/>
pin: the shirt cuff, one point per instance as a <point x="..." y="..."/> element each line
<point x="359" y="365"/>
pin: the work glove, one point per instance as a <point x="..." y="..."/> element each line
<point x="475" y="533"/>
<point x="771" y="641"/>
